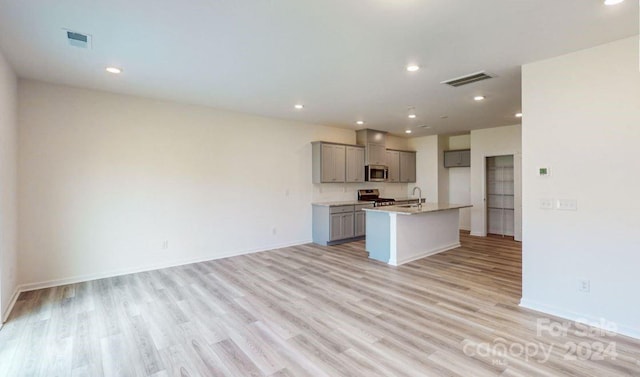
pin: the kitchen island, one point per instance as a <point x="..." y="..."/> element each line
<point x="401" y="234"/>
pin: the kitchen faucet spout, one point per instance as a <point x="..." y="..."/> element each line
<point x="419" y="195"/>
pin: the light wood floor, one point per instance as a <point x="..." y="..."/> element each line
<point x="301" y="311"/>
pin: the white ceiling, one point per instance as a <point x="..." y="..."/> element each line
<point x="345" y="60"/>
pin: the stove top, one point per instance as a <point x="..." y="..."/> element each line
<point x="374" y="195"/>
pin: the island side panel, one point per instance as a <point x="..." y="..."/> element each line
<point x="378" y="235"/>
<point x="425" y="234"/>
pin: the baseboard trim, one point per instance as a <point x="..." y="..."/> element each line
<point x="84" y="278"/>
<point x="12" y="303"/>
<point x="428" y="253"/>
<point x="622" y="329"/>
<point x="478" y="234"/>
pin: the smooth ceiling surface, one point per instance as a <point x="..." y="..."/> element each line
<point x="345" y="60"/>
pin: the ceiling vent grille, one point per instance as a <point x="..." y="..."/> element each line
<point x="468" y="79"/>
<point x="78" y="39"/>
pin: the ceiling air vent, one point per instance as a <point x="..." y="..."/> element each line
<point x="468" y="79"/>
<point x="78" y="39"/>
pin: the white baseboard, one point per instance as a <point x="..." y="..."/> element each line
<point x="12" y="303"/>
<point x="84" y="278"/>
<point x="478" y="234"/>
<point x="622" y="329"/>
<point x="427" y="253"/>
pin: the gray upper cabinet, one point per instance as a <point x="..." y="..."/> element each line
<point x="354" y="164"/>
<point x="407" y="166"/>
<point x="337" y="163"/>
<point x="393" y="163"/>
<point x="329" y="163"/>
<point x="376" y="154"/>
<point x="458" y="158"/>
<point x="376" y="151"/>
<point x="402" y="166"/>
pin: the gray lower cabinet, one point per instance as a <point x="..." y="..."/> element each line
<point x="334" y="225"/>
<point x="361" y="219"/>
<point x="341" y="226"/>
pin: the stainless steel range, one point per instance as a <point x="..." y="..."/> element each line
<point x="374" y="196"/>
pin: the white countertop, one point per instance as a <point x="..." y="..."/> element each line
<point x="425" y="208"/>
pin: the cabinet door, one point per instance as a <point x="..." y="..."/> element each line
<point x="328" y="163"/>
<point x="376" y="154"/>
<point x="355" y="164"/>
<point x="336" y="227"/>
<point x="333" y="163"/>
<point x="451" y="158"/>
<point x="360" y="223"/>
<point x="347" y="225"/>
<point x="407" y="167"/>
<point x="393" y="162"/>
<point x="339" y="167"/>
<point x="465" y="158"/>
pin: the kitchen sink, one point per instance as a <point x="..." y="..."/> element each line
<point x="410" y="206"/>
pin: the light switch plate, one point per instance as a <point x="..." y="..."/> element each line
<point x="546" y="203"/>
<point x="567" y="204"/>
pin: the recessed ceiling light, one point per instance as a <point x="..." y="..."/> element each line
<point x="478" y="98"/>
<point x="299" y="106"/>
<point x="518" y="115"/>
<point x="360" y="122"/>
<point x="113" y="70"/>
<point x="612" y="2"/>
<point x="407" y="131"/>
<point x="413" y="67"/>
<point x="412" y="116"/>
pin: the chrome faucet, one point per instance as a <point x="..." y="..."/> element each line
<point x="419" y="195"/>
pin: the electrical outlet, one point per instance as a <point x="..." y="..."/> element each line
<point x="567" y="204"/>
<point x="274" y="231"/>
<point x="165" y="244"/>
<point x="546" y="203"/>
<point x="584" y="286"/>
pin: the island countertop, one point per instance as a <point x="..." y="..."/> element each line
<point x="415" y="210"/>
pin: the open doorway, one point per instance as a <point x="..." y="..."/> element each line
<point x="500" y="195"/>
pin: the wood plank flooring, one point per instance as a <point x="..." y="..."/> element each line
<point x="305" y="311"/>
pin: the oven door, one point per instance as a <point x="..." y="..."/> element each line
<point x="376" y="173"/>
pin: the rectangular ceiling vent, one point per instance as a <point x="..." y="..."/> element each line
<point x="468" y="79"/>
<point x="78" y="39"/>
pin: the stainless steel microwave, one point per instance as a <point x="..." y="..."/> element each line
<point x="376" y="173"/>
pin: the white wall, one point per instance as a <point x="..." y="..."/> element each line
<point x="460" y="181"/>
<point x="443" y="173"/>
<point x="426" y="166"/>
<point x="105" y="179"/>
<point x="582" y="119"/>
<point x="8" y="182"/>
<point x="486" y="143"/>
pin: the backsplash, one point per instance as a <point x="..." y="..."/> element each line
<point x="329" y="192"/>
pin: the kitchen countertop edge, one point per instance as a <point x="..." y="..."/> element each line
<point x="426" y="208"/>
<point x="355" y="202"/>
